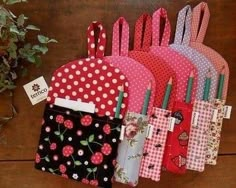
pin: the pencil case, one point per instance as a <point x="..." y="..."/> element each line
<point x="130" y="150"/>
<point x="201" y="118"/>
<point x="175" y="154"/>
<point x="154" y="146"/>
<point x="78" y="145"/>
<point x="214" y="133"/>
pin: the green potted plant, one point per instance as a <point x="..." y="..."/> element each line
<point x="16" y="52"/>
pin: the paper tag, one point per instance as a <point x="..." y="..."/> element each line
<point x="194" y="120"/>
<point x="214" y="115"/>
<point x="37" y="90"/>
<point x="122" y="132"/>
<point x="171" y="124"/>
<point x="227" y="111"/>
<point x="149" y="131"/>
<point x="75" y="105"/>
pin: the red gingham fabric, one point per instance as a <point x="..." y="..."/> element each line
<point x="154" y="147"/>
<point x="214" y="133"/>
<point x="159" y="68"/>
<point x="198" y="32"/>
<point x="198" y="136"/>
<point x="137" y="75"/>
<point x="85" y="79"/>
<point x="179" y="63"/>
<point x="175" y="154"/>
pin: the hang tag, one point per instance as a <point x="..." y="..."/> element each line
<point x="37" y="90"/>
<point x="194" y="120"/>
<point x="171" y="124"/>
<point x="214" y="115"/>
<point x="149" y="131"/>
<point x="227" y="111"/>
<point x="75" y="105"/>
<point x="122" y="132"/>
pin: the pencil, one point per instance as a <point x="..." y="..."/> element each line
<point x="189" y="87"/>
<point x="119" y="103"/>
<point x="207" y="86"/>
<point x="221" y="83"/>
<point x="167" y="94"/>
<point x="146" y="99"/>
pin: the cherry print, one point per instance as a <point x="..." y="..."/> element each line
<point x="86" y="120"/>
<point x="68" y="124"/>
<point x="59" y="119"/>
<point x="67" y="151"/>
<point x="97" y="158"/>
<point x="62" y="168"/>
<point x="94" y="182"/>
<point x="37" y="158"/>
<point x="106" y="149"/>
<point x="53" y="146"/>
<point x="107" y="129"/>
<point x="85" y="181"/>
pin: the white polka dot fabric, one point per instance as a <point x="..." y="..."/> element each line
<point x="91" y="80"/>
<point x="198" y="32"/>
<point x="137" y="75"/>
<point x="181" y="65"/>
<point x="203" y="65"/>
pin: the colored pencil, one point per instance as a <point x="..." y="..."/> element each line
<point x="167" y="94"/>
<point x="119" y="103"/>
<point x="207" y="86"/>
<point x="221" y="83"/>
<point x="189" y="87"/>
<point x="146" y="99"/>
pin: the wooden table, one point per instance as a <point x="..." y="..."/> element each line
<point x="67" y="21"/>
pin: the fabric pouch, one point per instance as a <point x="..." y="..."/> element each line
<point x="201" y="118"/>
<point x="175" y="154"/>
<point x="78" y="145"/>
<point x="130" y="150"/>
<point x="214" y="133"/>
<point x="155" y="145"/>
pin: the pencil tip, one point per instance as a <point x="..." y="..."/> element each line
<point x="223" y="69"/>
<point x="170" y="80"/>
<point x="122" y="87"/>
<point x="209" y="73"/>
<point x="191" y="74"/>
<point x="150" y="85"/>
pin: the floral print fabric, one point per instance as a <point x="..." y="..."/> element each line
<point x="78" y="145"/>
<point x="130" y="150"/>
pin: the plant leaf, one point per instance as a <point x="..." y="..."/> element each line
<point x="40" y="48"/>
<point x="46" y="139"/>
<point x="95" y="169"/>
<point x="61" y="137"/>
<point x="51" y="170"/>
<point x="57" y="133"/>
<point x="84" y="142"/>
<point x="38" y="61"/>
<point x="47" y="159"/>
<point x="11" y="2"/>
<point x="14" y="29"/>
<point x="78" y="163"/>
<point x="21" y="20"/>
<point x="32" y="27"/>
<point x="42" y="39"/>
<point x="53" y="40"/>
<point x="89" y="170"/>
<point x="91" y="138"/>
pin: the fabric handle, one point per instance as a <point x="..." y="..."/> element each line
<point x="183" y="27"/>
<point x="156" y="28"/>
<point x="199" y="25"/>
<point x="96" y="49"/>
<point x="143" y="33"/>
<point x="120" y="38"/>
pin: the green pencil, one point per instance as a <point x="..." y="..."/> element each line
<point x="221" y="83"/>
<point x="207" y="86"/>
<point x="189" y="87"/>
<point x="146" y="99"/>
<point x="167" y="94"/>
<point x="119" y="103"/>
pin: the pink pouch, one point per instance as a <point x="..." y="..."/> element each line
<point x="84" y="79"/>
<point x="138" y="76"/>
<point x="198" y="32"/>
<point x="180" y="64"/>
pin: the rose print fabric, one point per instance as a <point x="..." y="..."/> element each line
<point x="85" y="79"/>
<point x="203" y="65"/>
<point x="158" y="67"/>
<point x="198" y="136"/>
<point x="175" y="155"/>
<point x="154" y="148"/>
<point x="137" y="75"/>
<point x="214" y="133"/>
<point x="130" y="150"/>
<point x="198" y="32"/>
<point x="78" y="145"/>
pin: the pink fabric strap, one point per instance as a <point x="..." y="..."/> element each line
<point x="143" y="33"/>
<point x="120" y="41"/>
<point x="156" y="28"/>
<point x="199" y="26"/>
<point x="96" y="48"/>
<point x="183" y="27"/>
